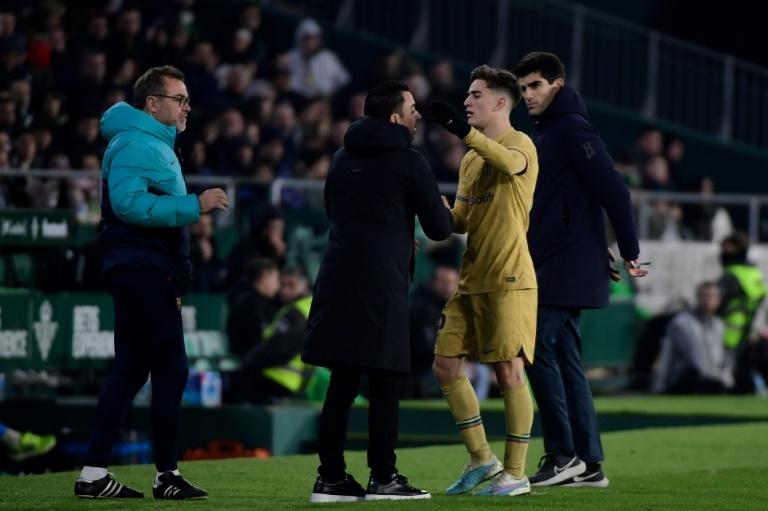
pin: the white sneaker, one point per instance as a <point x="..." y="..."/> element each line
<point x="504" y="485"/>
<point x="557" y="469"/>
<point x="588" y="480"/>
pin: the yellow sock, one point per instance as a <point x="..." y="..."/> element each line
<point x="465" y="408"/>
<point x="518" y="408"/>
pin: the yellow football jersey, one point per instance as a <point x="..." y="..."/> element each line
<point x="493" y="202"/>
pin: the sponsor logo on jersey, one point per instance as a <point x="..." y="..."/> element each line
<point x="481" y="199"/>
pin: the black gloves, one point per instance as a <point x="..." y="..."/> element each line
<point x="449" y="118"/>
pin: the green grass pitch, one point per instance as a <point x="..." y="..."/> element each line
<point x="720" y="467"/>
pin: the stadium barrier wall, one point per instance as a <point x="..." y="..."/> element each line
<point x="75" y="330"/>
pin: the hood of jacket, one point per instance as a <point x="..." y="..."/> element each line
<point x="123" y="117"/>
<point x="567" y="101"/>
<point x="370" y="136"/>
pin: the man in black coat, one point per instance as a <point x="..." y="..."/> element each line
<point x="577" y="181"/>
<point x="358" y="323"/>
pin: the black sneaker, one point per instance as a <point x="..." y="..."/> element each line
<point x="346" y="490"/>
<point x="396" y="488"/>
<point x="556" y="469"/>
<point x="175" y="487"/>
<point x="588" y="479"/>
<point x="105" y="488"/>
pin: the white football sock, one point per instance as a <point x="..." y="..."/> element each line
<point x="157" y="477"/>
<point x="93" y="473"/>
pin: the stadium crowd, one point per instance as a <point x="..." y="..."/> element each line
<point x="262" y="108"/>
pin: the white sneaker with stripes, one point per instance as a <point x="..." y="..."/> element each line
<point x="105" y="488"/>
<point x="174" y="487"/>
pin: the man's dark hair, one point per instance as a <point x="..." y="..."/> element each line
<point x="736" y="244"/>
<point x="496" y="78"/>
<point x="258" y="266"/>
<point x="385" y="99"/>
<point x="152" y="82"/>
<point x="548" y="64"/>
<point x="706" y="284"/>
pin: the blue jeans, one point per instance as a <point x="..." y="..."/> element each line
<point x="561" y="389"/>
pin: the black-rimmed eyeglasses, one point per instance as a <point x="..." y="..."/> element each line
<point x="181" y="100"/>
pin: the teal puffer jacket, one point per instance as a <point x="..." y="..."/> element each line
<point x="140" y="158"/>
<point x="145" y="205"/>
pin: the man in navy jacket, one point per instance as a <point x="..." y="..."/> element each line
<point x="577" y="181"/>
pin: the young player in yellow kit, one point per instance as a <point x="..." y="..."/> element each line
<point x="492" y="317"/>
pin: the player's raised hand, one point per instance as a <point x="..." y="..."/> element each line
<point x="448" y="117"/>
<point x="213" y="198"/>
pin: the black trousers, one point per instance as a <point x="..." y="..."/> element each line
<point x="148" y="340"/>
<point x="751" y="357"/>
<point x="385" y="388"/>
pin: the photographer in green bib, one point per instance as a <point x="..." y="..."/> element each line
<point x="274" y="367"/>
<point x="743" y="290"/>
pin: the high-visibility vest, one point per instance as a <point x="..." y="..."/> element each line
<point x="739" y="311"/>
<point x="293" y="374"/>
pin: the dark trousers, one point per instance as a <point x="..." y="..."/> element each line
<point x="691" y="381"/>
<point x="148" y="340"/>
<point x="750" y="358"/>
<point x="385" y="388"/>
<point x="561" y="389"/>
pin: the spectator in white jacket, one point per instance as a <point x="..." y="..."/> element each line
<point x="315" y="71"/>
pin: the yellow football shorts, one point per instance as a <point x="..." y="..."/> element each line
<point x="489" y="327"/>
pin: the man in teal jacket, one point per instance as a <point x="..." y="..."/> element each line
<point x="144" y="234"/>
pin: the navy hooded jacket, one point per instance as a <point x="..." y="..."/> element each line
<point x="577" y="181"/>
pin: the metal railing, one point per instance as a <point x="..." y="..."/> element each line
<point x="615" y="62"/>
<point x="228" y="183"/>
<point x="755" y="206"/>
<point x="304" y="185"/>
<point x="643" y="200"/>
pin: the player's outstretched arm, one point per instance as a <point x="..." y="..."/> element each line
<point x="506" y="160"/>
